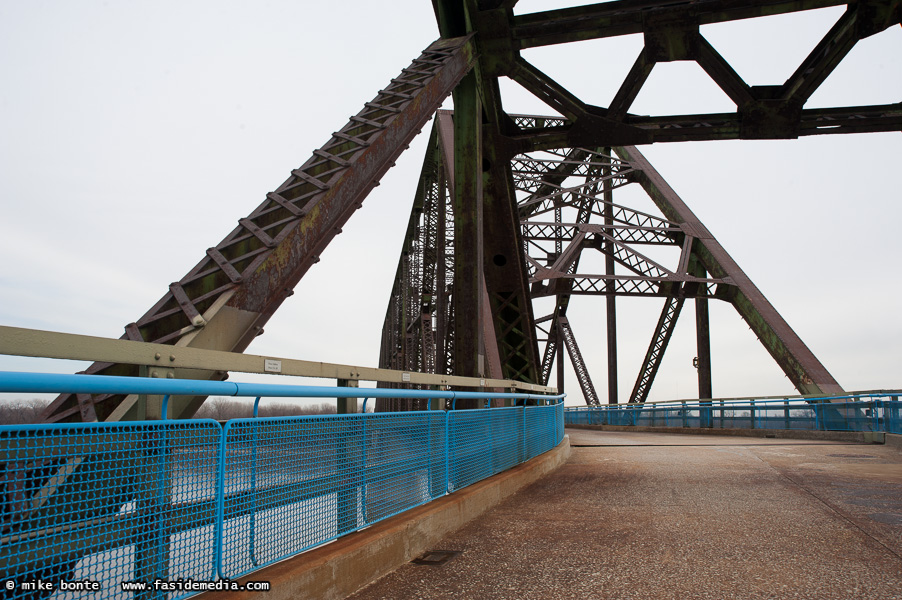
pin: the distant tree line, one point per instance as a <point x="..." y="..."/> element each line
<point x="223" y="409"/>
<point x="21" y="412"/>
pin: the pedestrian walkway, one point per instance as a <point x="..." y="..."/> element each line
<point x="658" y="516"/>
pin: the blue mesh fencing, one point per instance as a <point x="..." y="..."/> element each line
<point x="869" y="412"/>
<point x="542" y="432"/>
<point x="160" y="501"/>
<point x="293" y="483"/>
<point x="107" y="503"/>
<point x="483" y="443"/>
<point x="892" y="415"/>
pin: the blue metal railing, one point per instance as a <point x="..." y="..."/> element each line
<point x="178" y="500"/>
<point x="878" y="412"/>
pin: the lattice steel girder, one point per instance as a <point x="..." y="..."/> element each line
<point x="655" y="353"/>
<point x="579" y="364"/>
<point x="226" y="299"/>
<point x="804" y="370"/>
<point x="613" y="285"/>
<point x="425" y="211"/>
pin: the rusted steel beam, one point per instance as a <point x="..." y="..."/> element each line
<point x="626" y="17"/>
<point x="468" y="248"/>
<point x="579" y="364"/>
<point x="284" y="236"/>
<point x="507" y="340"/>
<point x="603" y="285"/>
<point x="719" y="126"/>
<point x="804" y="370"/>
<point x="815" y="69"/>
<point x="703" y="346"/>
<point x="655" y="354"/>
<point x="609" y="269"/>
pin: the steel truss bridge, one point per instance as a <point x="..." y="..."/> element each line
<point x="507" y="205"/>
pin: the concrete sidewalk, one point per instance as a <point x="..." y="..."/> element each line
<point x="644" y="515"/>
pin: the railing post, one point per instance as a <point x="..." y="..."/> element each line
<point x="753" y="415"/>
<point x="706" y="414"/>
<point x="448" y="414"/>
<point x="891" y="424"/>
<point x="218" y="524"/>
<point x="875" y="406"/>
<point x="347" y="406"/>
<point x="345" y="461"/>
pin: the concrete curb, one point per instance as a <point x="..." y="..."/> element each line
<point x="855" y="437"/>
<point x="340" y="568"/>
<point x="894" y="440"/>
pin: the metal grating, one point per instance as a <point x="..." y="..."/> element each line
<point x="293" y="483"/>
<point x="135" y="508"/>
<point x="108" y="503"/>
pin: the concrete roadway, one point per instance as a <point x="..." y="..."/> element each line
<point x="647" y="515"/>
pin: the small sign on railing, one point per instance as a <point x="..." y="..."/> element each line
<point x="272" y="366"/>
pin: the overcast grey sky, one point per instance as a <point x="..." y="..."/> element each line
<point x="133" y="135"/>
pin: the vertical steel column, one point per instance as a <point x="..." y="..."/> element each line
<point x="610" y="302"/>
<point x="555" y="325"/>
<point x="345" y="461"/>
<point x="703" y="343"/>
<point x="347" y="406"/>
<point x="468" y="246"/>
<point x="559" y="336"/>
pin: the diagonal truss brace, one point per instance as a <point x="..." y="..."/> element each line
<point x="579" y="364"/>
<point x="804" y="370"/>
<point x="224" y="301"/>
<point x="663" y="332"/>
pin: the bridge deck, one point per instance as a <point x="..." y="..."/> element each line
<point x="644" y="515"/>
